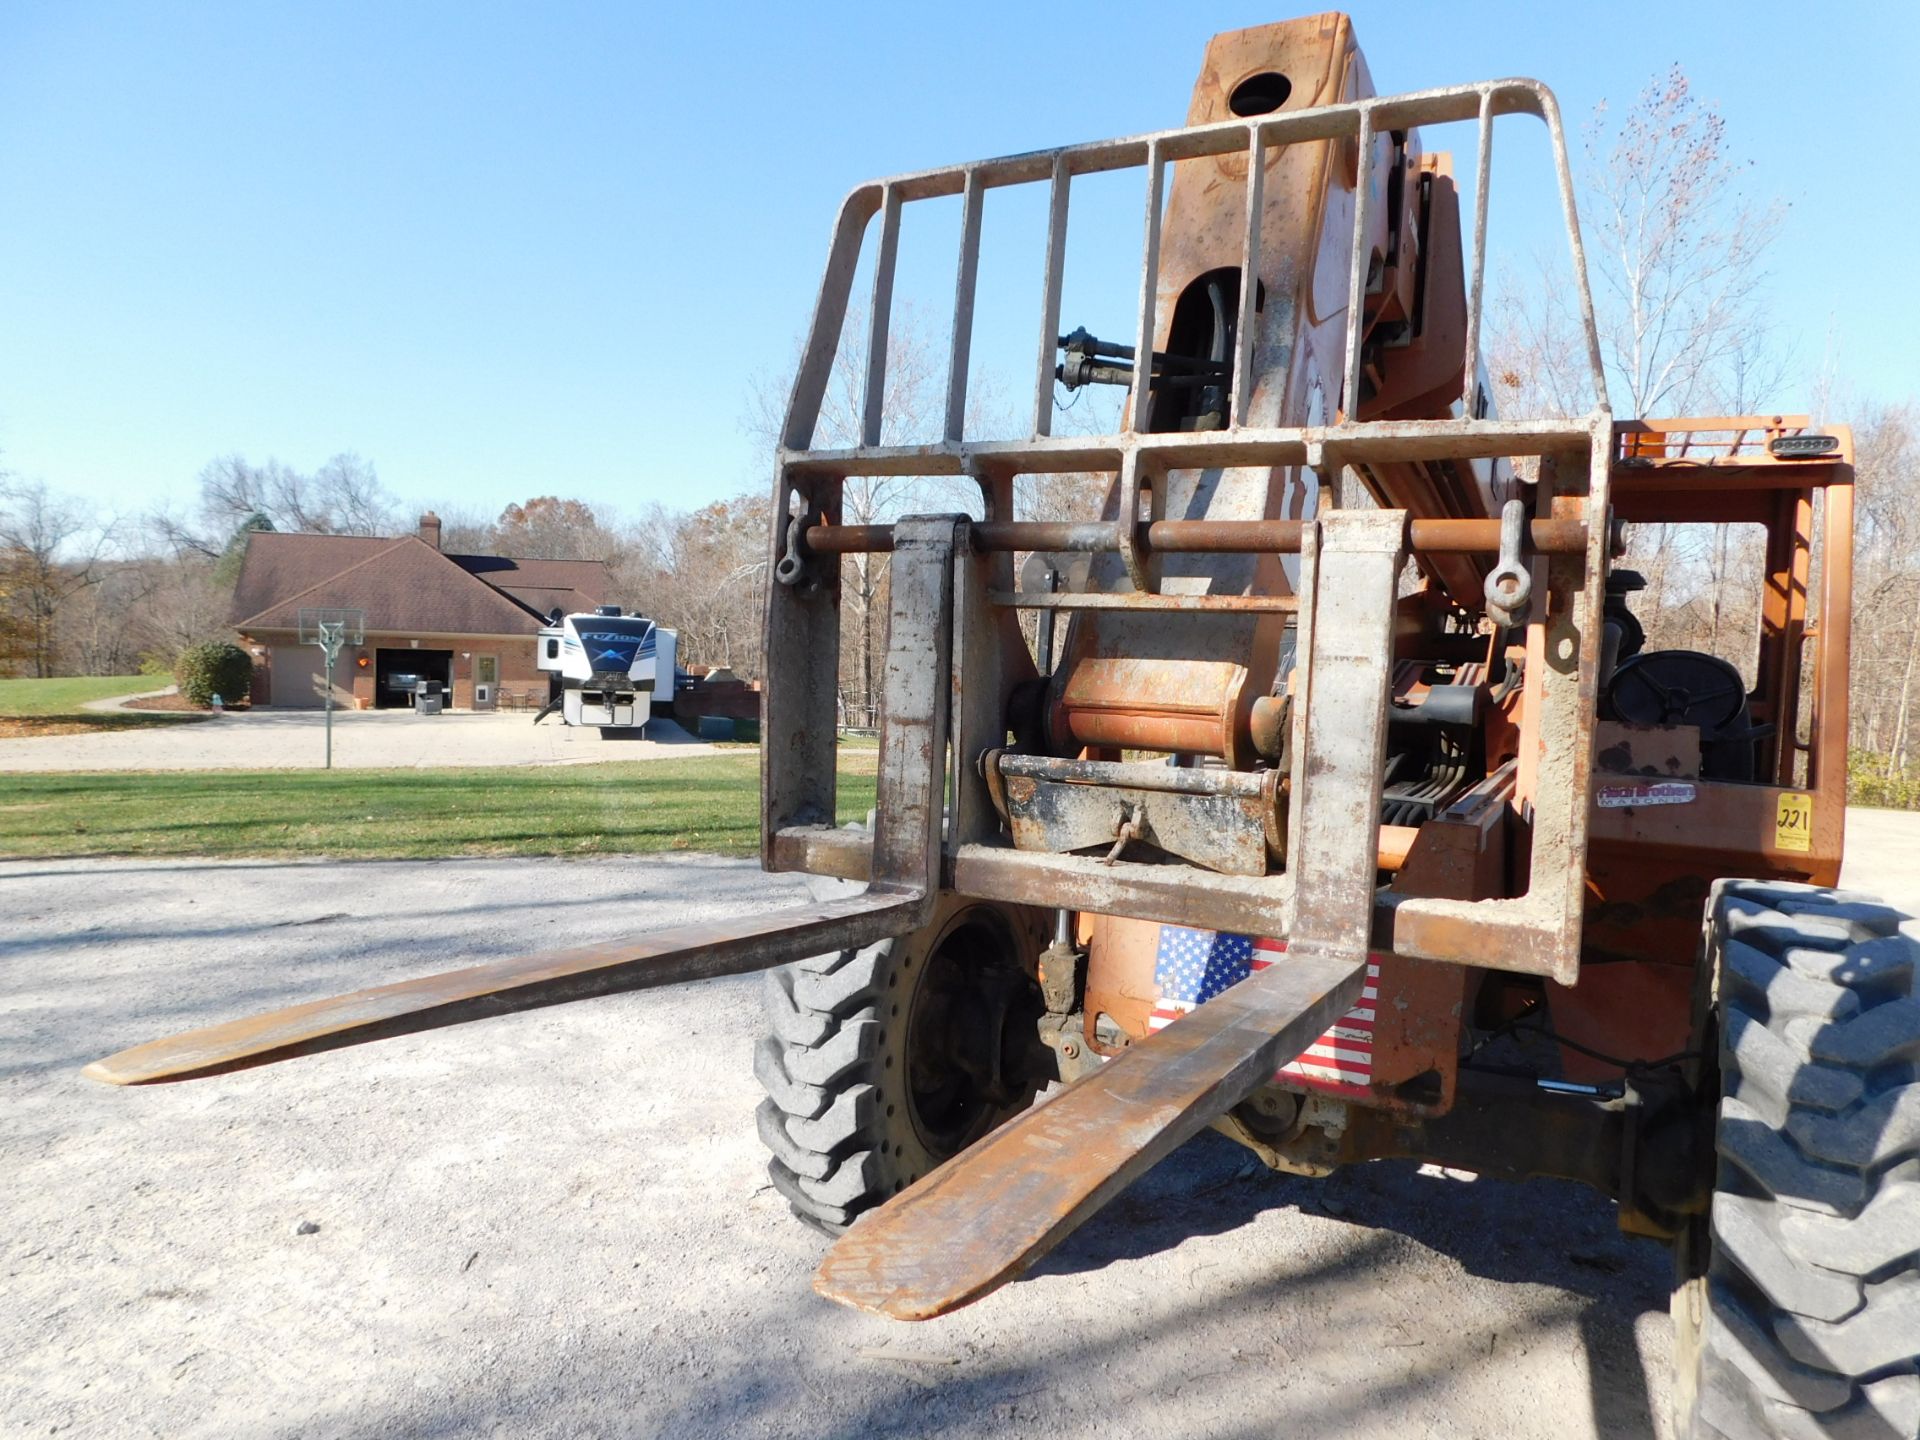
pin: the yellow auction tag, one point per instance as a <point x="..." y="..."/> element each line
<point x="1793" y="822"/>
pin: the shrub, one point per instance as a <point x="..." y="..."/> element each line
<point x="1872" y="780"/>
<point x="214" y="668"/>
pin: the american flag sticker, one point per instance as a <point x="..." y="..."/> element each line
<point x="1193" y="966"/>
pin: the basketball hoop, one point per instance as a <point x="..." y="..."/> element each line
<point x="331" y="630"/>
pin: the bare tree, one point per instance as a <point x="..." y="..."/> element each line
<point x="232" y="488"/>
<point x="16" y="640"/>
<point x="343" y="497"/>
<point x="464" y="529"/>
<point x="350" y="500"/>
<point x="1886" y="627"/>
<point x="50" y="550"/>
<point x="1536" y="353"/>
<point x="913" y="410"/>
<point x="142" y="612"/>
<point x="704" y="575"/>
<point x="1676" y="254"/>
<point x="183" y="596"/>
<point x="1679" y="251"/>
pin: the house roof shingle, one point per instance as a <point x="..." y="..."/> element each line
<point x="277" y="565"/>
<point x="406" y="585"/>
<point x="544" y="585"/>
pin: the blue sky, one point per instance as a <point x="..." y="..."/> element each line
<point x="504" y="250"/>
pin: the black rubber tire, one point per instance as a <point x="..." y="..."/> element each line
<point x="841" y="1065"/>
<point x="1798" y="1309"/>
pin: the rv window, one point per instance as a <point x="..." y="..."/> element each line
<point x="553" y="649"/>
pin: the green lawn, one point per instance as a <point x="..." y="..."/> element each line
<point x="57" y="697"/>
<point x="30" y="708"/>
<point x="710" y="804"/>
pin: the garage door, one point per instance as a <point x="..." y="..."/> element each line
<point x="299" y="676"/>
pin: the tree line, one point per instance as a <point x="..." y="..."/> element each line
<point x="88" y="593"/>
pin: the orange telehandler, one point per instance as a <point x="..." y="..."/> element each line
<point x="1352" y="814"/>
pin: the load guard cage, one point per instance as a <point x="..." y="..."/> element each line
<point x="947" y="684"/>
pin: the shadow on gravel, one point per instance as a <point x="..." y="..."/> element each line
<point x="1543" y="1232"/>
<point x="1493" y="1228"/>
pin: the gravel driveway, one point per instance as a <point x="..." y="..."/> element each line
<point x="362" y="739"/>
<point x="557" y="1224"/>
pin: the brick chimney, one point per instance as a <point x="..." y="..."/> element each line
<point x="430" y="529"/>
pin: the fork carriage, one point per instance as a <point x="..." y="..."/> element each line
<point x="1239" y="613"/>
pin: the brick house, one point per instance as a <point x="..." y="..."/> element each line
<point x="468" y="621"/>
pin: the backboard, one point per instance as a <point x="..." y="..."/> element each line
<point x="332" y="628"/>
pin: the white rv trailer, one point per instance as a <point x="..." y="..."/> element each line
<point x="614" y="670"/>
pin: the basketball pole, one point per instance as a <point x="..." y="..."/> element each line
<point x="329" y="630"/>
<point x="330" y="653"/>
<point x="330" y="644"/>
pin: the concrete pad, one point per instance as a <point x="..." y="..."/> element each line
<point x="1883" y="855"/>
